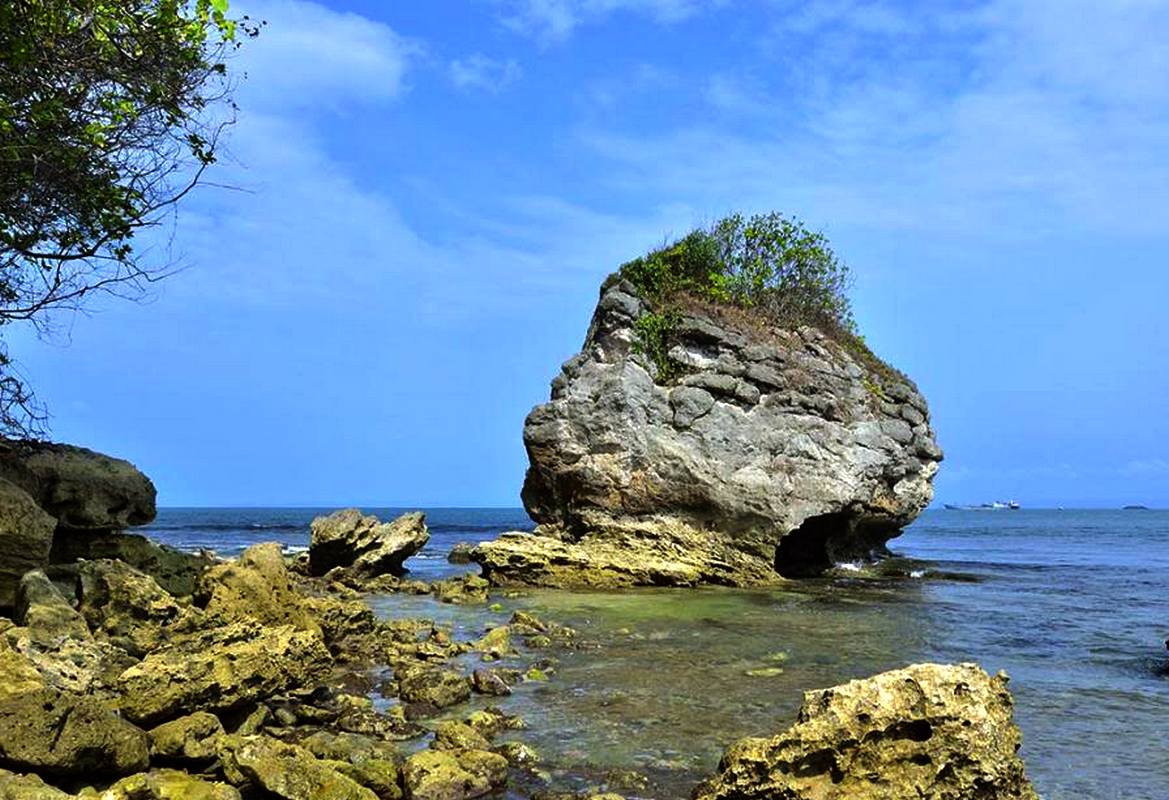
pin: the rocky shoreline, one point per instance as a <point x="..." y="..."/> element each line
<point x="134" y="672"/>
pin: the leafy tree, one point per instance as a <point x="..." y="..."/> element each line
<point x="110" y="112"/>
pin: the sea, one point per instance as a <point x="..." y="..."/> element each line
<point x="1072" y="604"/>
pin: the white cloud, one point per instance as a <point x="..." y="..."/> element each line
<point x="551" y="21"/>
<point x="477" y="71"/>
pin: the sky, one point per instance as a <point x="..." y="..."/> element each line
<point x="419" y="201"/>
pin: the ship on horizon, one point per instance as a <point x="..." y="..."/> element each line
<point x="997" y="505"/>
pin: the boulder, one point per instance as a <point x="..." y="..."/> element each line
<point x="452" y="735"/>
<point x="125" y="605"/>
<point x="174" y="570"/>
<point x="83" y="490"/>
<point x="286" y="771"/>
<point x="453" y="774"/>
<point x="28" y="787"/>
<point x="926" y="731"/>
<point x="56" y="734"/>
<point x="363" y="544"/>
<point x="168" y="784"/>
<point x="221" y="670"/>
<point x="26" y="536"/>
<point x="190" y="739"/>
<point x="489" y="682"/>
<point x="256" y="587"/>
<point x="44" y="611"/>
<point x="433" y="686"/>
<point x="772" y="453"/>
<point x="18" y="675"/>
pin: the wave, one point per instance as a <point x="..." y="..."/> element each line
<point x="237" y="527"/>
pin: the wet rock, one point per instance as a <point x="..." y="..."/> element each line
<point x="220" y="670"/>
<point x="461" y="590"/>
<point x="460" y="553"/>
<point x="83" y="490"/>
<point x="285" y="770"/>
<point x="381" y="776"/>
<point x="452" y="774"/>
<point x="125" y="605"/>
<point x="255" y="587"/>
<point x="453" y="735"/>
<point x="495" y="644"/>
<point x="489" y="682"/>
<point x="175" y="571"/>
<point x="349" y="747"/>
<point x="775" y="456"/>
<point x="193" y="738"/>
<point x="55" y="734"/>
<point x="492" y="721"/>
<point x="432" y="686"/>
<point x="924" y="731"/>
<point x="28" y="787"/>
<point x="26" y="536"/>
<point x="41" y="608"/>
<point x="168" y="784"/>
<point x="363" y="544"/>
<point x="518" y="754"/>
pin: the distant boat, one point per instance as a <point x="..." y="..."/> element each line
<point x="1136" y="508"/>
<point x="997" y="505"/>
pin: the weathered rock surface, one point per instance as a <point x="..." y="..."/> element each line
<point x="220" y="670"/>
<point x="363" y="544"/>
<point x="193" y="738"/>
<point x="453" y="774"/>
<point x="286" y="771"/>
<point x="124" y="605"/>
<point x="779" y="452"/>
<point x="926" y="731"/>
<point x="175" y="571"/>
<point x="26" y="536"/>
<point x="168" y="784"/>
<point x="43" y="610"/>
<point x="256" y="587"/>
<point x="56" y="734"/>
<point x="83" y="490"/>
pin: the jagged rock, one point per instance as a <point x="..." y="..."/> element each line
<point x="174" y="570"/>
<point x="778" y="452"/>
<point x="168" y="784"/>
<point x="926" y="731"/>
<point x="256" y="587"/>
<point x="285" y="770"/>
<point x="518" y="754"/>
<point x="221" y="670"/>
<point x="18" y="675"/>
<point x="432" y="686"/>
<point x="382" y="777"/>
<point x="56" y="734"/>
<point x="193" y="738"/>
<point x="453" y="774"/>
<point x="28" y="787"/>
<point x="461" y="589"/>
<point x="43" y="610"/>
<point x="26" y="536"/>
<point x="495" y="644"/>
<point x="363" y="544"/>
<point x="125" y="605"/>
<point x="491" y="721"/>
<point x="489" y="682"/>
<point x="351" y="747"/>
<point x="83" y="490"/>
<point x="460" y="553"/>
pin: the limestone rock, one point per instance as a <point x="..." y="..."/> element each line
<point x="175" y="571"/>
<point x="220" y="670"/>
<point x="26" y="536"/>
<point x="452" y="735"/>
<point x="28" y="787"/>
<point x="285" y="771"/>
<point x="168" y="784"/>
<point x="433" y="686"/>
<point x="56" y="734"/>
<point x="363" y="544"/>
<point x="256" y="587"/>
<point x="124" y="604"/>
<point x="453" y="774"/>
<point x="42" y="609"/>
<point x="926" y="731"/>
<point x="18" y="675"/>
<point x="778" y="452"/>
<point x="83" y="490"/>
<point x="193" y="738"/>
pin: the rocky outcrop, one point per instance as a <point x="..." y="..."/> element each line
<point x="174" y="570"/>
<point x="775" y="453"/>
<point x="364" y="545"/>
<point x="81" y="489"/>
<point x="26" y="536"/>
<point x="926" y="731"/>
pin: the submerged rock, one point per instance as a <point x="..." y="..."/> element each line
<point x="777" y="453"/>
<point x="926" y="731"/>
<point x="363" y="544"/>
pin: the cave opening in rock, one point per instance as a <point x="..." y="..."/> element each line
<point x="804" y="552"/>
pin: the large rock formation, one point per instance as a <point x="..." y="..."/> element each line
<point x="364" y="545"/>
<point x="926" y="731"/>
<point x="777" y="452"/>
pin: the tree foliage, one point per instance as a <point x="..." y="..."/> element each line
<point x="110" y="112"/>
<point x="769" y="263"/>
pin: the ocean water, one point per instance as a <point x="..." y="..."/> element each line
<point x="1074" y="605"/>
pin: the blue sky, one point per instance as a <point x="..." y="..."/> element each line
<point x="427" y="196"/>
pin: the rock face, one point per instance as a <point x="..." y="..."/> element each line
<point x="926" y="731"/>
<point x="175" y="571"/>
<point x="26" y="534"/>
<point x="778" y="452"/>
<point x="363" y="544"/>
<point x="82" y="489"/>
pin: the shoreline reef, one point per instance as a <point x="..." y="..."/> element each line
<point x="183" y="676"/>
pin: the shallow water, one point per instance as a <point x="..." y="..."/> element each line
<point x="1071" y="603"/>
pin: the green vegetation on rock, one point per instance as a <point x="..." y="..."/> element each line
<point x="768" y="265"/>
